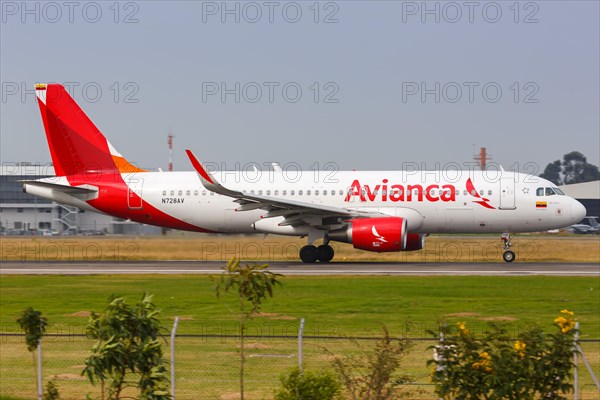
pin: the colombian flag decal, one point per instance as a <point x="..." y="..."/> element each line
<point x="541" y="204"/>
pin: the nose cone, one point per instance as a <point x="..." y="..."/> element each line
<point x="578" y="211"/>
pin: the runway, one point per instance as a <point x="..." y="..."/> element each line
<point x="295" y="268"/>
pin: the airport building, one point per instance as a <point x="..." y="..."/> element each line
<point x="588" y="193"/>
<point x="25" y="214"/>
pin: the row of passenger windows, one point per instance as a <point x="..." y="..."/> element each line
<point x="317" y="192"/>
<point x="548" y="191"/>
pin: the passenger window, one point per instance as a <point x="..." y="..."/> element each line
<point x="465" y="192"/>
<point x="277" y="193"/>
<point x="172" y="193"/>
<point x="539" y="192"/>
<point x="292" y="192"/>
<point x="341" y="192"/>
<point x="333" y="192"/>
<point x="300" y="192"/>
<point x="268" y="192"/>
<point x="489" y="192"/>
<point x="212" y="193"/>
<point x="188" y="193"/>
<point x="324" y="192"/>
<point x="204" y="193"/>
<point x="195" y="193"/>
<point x="285" y="192"/>
<point x="180" y="193"/>
<point x="474" y="192"/>
<point x="260" y="192"/>
<point x="457" y="192"/>
<point x="316" y="192"/>
<point x="481" y="192"/>
<point x="308" y="192"/>
<point x="164" y="192"/>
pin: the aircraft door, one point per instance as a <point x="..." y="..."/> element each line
<point x="507" y="191"/>
<point x="134" y="193"/>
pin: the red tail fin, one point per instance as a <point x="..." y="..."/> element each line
<point x="76" y="144"/>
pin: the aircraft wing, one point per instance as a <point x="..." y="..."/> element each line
<point x="294" y="212"/>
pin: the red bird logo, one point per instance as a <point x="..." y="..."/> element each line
<point x="473" y="192"/>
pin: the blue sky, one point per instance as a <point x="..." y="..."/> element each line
<point x="521" y="80"/>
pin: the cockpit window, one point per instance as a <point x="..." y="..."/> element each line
<point x="549" y="191"/>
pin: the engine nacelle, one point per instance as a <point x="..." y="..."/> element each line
<point x="374" y="234"/>
<point x="415" y="241"/>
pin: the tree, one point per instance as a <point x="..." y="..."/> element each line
<point x="128" y="343"/>
<point x="253" y="284"/>
<point x="34" y="325"/>
<point x="574" y="168"/>
<point x="552" y="173"/>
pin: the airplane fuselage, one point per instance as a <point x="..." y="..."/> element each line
<point x="469" y="202"/>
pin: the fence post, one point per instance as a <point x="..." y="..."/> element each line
<point x="586" y="363"/>
<point x="173" y="333"/>
<point x="40" y="385"/>
<point x="300" y="334"/>
<point x="575" y="362"/>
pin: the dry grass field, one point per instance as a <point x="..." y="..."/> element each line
<point x="529" y="248"/>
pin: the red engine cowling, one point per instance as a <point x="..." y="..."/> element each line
<point x="414" y="241"/>
<point x="374" y="234"/>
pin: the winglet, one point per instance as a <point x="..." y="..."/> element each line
<point x="208" y="180"/>
<point x="199" y="168"/>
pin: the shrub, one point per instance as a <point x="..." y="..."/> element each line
<point x="51" y="391"/>
<point x="373" y="374"/>
<point x="308" y="386"/>
<point x="534" y="365"/>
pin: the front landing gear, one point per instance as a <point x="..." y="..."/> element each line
<point x="310" y="253"/>
<point x="508" y="255"/>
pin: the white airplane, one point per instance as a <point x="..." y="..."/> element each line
<point x="379" y="211"/>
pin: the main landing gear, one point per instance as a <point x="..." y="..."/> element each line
<point x="311" y="253"/>
<point x="508" y="255"/>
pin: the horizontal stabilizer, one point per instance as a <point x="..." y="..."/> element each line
<point x="83" y="189"/>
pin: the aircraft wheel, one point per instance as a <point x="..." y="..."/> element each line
<point x="308" y="254"/>
<point x="325" y="253"/>
<point x="509" y="256"/>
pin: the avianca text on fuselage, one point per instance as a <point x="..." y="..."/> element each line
<point x="384" y="192"/>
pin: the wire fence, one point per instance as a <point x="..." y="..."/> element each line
<point x="207" y="366"/>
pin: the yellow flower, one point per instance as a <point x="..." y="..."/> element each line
<point x="520" y="348"/>
<point x="462" y="328"/>
<point x="567" y="312"/>
<point x="484" y="363"/>
<point x="565" y="322"/>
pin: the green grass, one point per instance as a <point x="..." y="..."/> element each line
<point x="332" y="306"/>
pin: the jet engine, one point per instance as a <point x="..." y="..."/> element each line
<point x="374" y="234"/>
